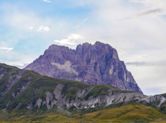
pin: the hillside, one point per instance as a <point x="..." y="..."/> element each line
<point x="22" y="89"/>
<point x="131" y="113"/>
<point x="29" y="96"/>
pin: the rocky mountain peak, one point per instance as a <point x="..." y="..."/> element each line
<point x="93" y="64"/>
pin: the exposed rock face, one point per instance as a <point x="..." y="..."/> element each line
<point x="58" y="99"/>
<point x="92" y="64"/>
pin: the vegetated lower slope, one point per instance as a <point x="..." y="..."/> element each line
<point x="130" y="113"/>
<point x="134" y="113"/>
<point x="22" y="89"/>
<point x="46" y="99"/>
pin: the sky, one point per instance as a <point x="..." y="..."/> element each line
<point x="136" y="28"/>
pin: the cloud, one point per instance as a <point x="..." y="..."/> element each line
<point x="6" y="49"/>
<point x="72" y="40"/>
<point x="152" y="11"/>
<point x="40" y="28"/>
<point x="17" y="58"/>
<point x="28" y="22"/>
<point x="151" y="79"/>
<point x="152" y="5"/>
<point x="23" y="28"/>
<point x="43" y="28"/>
<point x="25" y="20"/>
<point x="144" y="63"/>
<point x="10" y="56"/>
<point x="47" y="1"/>
<point x="144" y="13"/>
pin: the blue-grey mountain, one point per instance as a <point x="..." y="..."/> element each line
<point x="96" y="64"/>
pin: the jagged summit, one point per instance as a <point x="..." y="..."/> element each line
<point x="91" y="63"/>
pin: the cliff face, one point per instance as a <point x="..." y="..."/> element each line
<point x="92" y="64"/>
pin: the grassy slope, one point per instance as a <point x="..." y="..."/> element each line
<point x="130" y="113"/>
<point x="126" y="114"/>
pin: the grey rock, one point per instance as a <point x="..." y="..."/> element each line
<point x="39" y="103"/>
<point x="80" y="103"/>
<point x="49" y="98"/>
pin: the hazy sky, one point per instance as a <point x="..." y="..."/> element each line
<point x="136" y="28"/>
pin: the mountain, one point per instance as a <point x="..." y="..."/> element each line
<point x="28" y="96"/>
<point x="96" y="64"/>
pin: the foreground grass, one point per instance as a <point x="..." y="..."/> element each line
<point x="131" y="113"/>
<point x="126" y="114"/>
